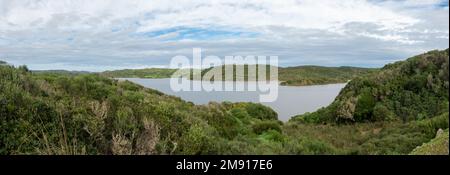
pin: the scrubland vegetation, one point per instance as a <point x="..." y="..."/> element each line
<point x="389" y="111"/>
<point x="437" y="146"/>
<point x="90" y="114"/>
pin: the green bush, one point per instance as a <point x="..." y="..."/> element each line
<point x="263" y="126"/>
<point x="364" y="106"/>
<point x="307" y="146"/>
<point x="272" y="135"/>
<point x="198" y="140"/>
<point x="261" y="112"/>
<point x="382" y="113"/>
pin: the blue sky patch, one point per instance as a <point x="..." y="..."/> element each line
<point x="443" y="3"/>
<point x="199" y="34"/>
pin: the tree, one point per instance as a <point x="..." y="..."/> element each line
<point x="364" y="106"/>
<point x="381" y="112"/>
<point x="24" y="68"/>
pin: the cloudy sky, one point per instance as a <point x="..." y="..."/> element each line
<point x="96" y="35"/>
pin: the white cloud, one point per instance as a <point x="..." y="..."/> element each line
<point x="87" y="32"/>
<point x="160" y="14"/>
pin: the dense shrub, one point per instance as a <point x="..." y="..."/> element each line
<point x="261" y="112"/>
<point x="406" y="90"/>
<point x="263" y="126"/>
<point x="364" y="106"/>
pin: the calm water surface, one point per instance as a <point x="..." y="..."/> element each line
<point x="291" y="101"/>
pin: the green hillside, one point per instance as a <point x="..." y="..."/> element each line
<point x="245" y="75"/>
<point x="437" y="146"/>
<point x="91" y="114"/>
<point x="296" y="76"/>
<point x="390" y="111"/>
<point x="311" y="75"/>
<point x="409" y="90"/>
<point x="140" y="73"/>
<point x="290" y="76"/>
<point x="369" y="138"/>
<point x="63" y="72"/>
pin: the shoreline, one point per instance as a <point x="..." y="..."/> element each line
<point x="280" y="82"/>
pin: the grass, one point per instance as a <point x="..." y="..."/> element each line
<point x="369" y="138"/>
<point x="437" y="146"/>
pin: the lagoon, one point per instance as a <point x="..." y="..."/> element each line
<point x="291" y="101"/>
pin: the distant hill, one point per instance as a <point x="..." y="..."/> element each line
<point x="414" y="89"/>
<point x="3" y="62"/>
<point x="234" y="76"/>
<point x="297" y="76"/>
<point x="290" y="76"/>
<point x="65" y="72"/>
<point x="140" y="73"/>
<point x="310" y="75"/>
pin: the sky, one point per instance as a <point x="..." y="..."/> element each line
<point x="98" y="35"/>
